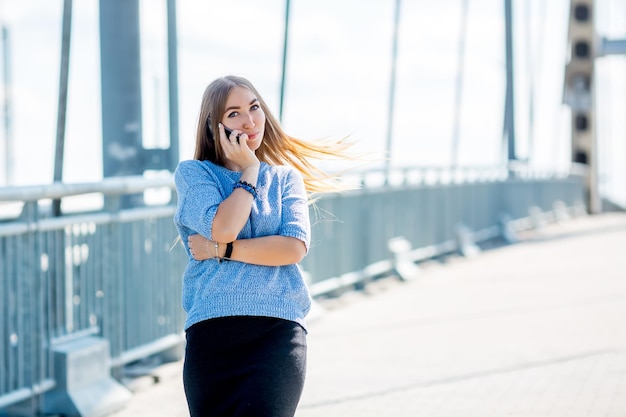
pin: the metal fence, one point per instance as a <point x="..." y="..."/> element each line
<point x="109" y="273"/>
<point x="114" y="274"/>
<point x="436" y="211"/>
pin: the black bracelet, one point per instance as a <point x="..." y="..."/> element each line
<point x="246" y="186"/>
<point x="229" y="251"/>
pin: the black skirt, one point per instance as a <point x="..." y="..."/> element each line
<point x="244" y="366"/>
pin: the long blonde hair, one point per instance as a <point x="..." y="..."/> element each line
<point x="277" y="147"/>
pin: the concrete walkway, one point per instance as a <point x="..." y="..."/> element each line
<point x="534" y="329"/>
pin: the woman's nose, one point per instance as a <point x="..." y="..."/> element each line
<point x="249" y="122"/>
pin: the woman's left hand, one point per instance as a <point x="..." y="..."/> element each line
<point x="200" y="247"/>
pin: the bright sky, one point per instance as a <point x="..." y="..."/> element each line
<point x="337" y="81"/>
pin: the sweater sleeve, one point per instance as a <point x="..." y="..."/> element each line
<point x="198" y="198"/>
<point x="295" y="213"/>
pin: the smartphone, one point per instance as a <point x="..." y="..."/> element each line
<point x="228" y="133"/>
<point x="226" y="130"/>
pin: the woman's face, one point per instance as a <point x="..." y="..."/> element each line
<point x="244" y="114"/>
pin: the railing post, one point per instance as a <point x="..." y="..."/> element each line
<point x="84" y="386"/>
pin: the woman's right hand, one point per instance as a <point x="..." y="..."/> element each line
<point x="236" y="149"/>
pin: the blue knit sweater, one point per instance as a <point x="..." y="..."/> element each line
<point x="212" y="289"/>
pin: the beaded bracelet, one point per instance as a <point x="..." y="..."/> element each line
<point x="246" y="186"/>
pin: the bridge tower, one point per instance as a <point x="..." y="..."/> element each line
<point x="578" y="94"/>
<point x="122" y="138"/>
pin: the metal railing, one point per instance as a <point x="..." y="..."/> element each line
<point x="113" y="272"/>
<point x="108" y="273"/>
<point x="436" y="210"/>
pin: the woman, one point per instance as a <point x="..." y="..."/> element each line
<point x="243" y="218"/>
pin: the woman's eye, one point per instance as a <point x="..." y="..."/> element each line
<point x="255" y="107"/>
<point x="233" y="114"/>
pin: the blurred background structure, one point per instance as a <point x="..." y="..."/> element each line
<point x="441" y="68"/>
<point x="495" y="116"/>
